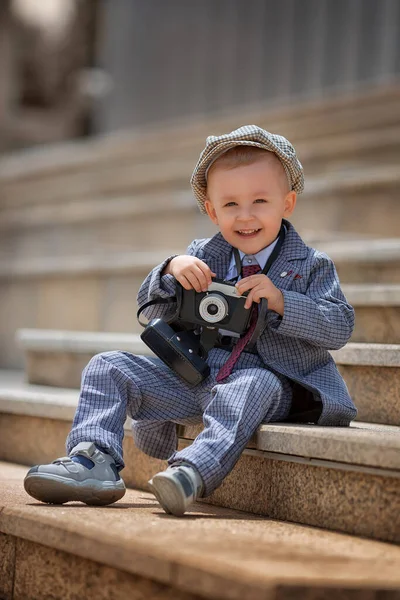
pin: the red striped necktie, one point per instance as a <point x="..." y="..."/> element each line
<point x="226" y="368"/>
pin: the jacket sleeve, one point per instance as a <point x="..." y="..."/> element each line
<point x="322" y="315"/>
<point x="160" y="286"/>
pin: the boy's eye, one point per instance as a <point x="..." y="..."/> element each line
<point x="260" y="200"/>
<point x="230" y="204"/>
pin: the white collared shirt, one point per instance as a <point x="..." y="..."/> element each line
<point x="251" y="259"/>
<point x="247" y="260"/>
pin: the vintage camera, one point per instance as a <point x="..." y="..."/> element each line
<point x="182" y="340"/>
<point x="200" y="315"/>
<point x="178" y="348"/>
<point x="221" y="306"/>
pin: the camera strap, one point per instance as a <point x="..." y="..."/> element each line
<point x="172" y="317"/>
<point x="263" y="306"/>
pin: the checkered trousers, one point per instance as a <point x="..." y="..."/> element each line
<point x="115" y="384"/>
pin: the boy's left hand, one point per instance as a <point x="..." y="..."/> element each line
<point x="261" y="286"/>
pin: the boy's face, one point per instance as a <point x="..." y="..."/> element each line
<point x="248" y="203"/>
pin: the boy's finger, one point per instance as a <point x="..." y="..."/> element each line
<point x="207" y="272"/>
<point x="242" y="286"/>
<point x="184" y="281"/>
<point x="193" y="281"/>
<point x="202" y="278"/>
<point x="249" y="300"/>
<point x="244" y="280"/>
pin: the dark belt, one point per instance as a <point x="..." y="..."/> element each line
<point x="227" y="342"/>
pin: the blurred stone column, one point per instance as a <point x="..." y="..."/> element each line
<point x="7" y="78"/>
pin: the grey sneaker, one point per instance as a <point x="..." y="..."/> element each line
<point x="177" y="488"/>
<point x="64" y="479"/>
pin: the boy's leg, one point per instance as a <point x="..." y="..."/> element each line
<point x="251" y="395"/>
<point x="117" y="384"/>
<point x="113" y="384"/>
<point x="232" y="411"/>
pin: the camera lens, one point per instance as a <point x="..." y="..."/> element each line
<point x="213" y="308"/>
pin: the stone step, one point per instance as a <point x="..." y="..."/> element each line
<point x="98" y="292"/>
<point x="372" y="374"/>
<point x="98" y="225"/>
<point x="153" y="214"/>
<point x="37" y="292"/>
<point x="360" y="261"/>
<point x="377" y="309"/>
<point x="371" y="371"/>
<point x="343" y="479"/>
<point x="22" y="184"/>
<point x="134" y="550"/>
<point x="311" y="122"/>
<point x="357" y="261"/>
<point x="361" y="200"/>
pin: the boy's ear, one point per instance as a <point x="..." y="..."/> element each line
<point x="211" y="211"/>
<point x="290" y="203"/>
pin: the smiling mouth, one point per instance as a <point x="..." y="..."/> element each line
<point x="248" y="232"/>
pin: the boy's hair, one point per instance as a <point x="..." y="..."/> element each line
<point x="246" y="155"/>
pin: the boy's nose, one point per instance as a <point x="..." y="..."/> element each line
<point x="245" y="216"/>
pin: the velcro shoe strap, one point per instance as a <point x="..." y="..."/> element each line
<point x="62" y="459"/>
<point x="85" y="448"/>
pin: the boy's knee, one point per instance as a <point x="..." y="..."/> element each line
<point x="274" y="384"/>
<point x="266" y="381"/>
<point x="112" y="357"/>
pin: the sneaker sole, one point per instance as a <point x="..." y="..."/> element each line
<point x="167" y="495"/>
<point x="57" y="490"/>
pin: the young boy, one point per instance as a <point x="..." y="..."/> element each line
<point x="247" y="183"/>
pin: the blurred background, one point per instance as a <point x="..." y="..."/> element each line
<point x="73" y="68"/>
<point x="105" y="106"/>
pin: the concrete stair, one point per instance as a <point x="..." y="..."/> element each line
<point x="128" y="220"/>
<point x="74" y="223"/>
<point x="350" y="126"/>
<point x="344" y="479"/>
<point x="76" y="219"/>
<point x="377" y="308"/>
<point x="371" y="371"/>
<point x="134" y="550"/>
<point x="98" y="292"/>
<point x="335" y="200"/>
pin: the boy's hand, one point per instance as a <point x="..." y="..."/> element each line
<point x="261" y="286"/>
<point x="191" y="272"/>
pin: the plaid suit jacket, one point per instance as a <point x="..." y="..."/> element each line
<point x="317" y="318"/>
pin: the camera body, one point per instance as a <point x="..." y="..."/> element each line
<point x="183" y="339"/>
<point x="178" y="341"/>
<point x="221" y="306"/>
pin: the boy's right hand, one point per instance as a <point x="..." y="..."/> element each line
<point x="191" y="272"/>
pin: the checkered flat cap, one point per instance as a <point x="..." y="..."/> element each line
<point x="249" y="135"/>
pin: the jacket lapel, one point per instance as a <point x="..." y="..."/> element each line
<point x="293" y="249"/>
<point x="218" y="255"/>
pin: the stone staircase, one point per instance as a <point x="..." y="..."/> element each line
<point x="324" y="469"/>
<point x="263" y="534"/>
<point x="87" y="220"/>
<point x="308" y="512"/>
<point x="134" y="551"/>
